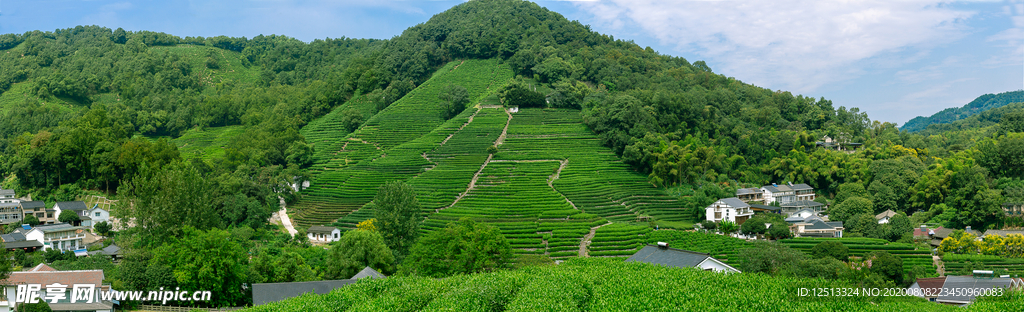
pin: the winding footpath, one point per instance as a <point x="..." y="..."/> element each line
<point x="586" y="240"/>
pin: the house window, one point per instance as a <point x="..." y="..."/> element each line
<point x="49" y="215"/>
<point x="97" y="214"/>
<point x="335" y="235"/>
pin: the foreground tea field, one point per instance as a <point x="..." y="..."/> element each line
<point x="602" y="284"/>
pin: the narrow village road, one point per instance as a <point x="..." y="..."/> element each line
<point x="283" y="213"/>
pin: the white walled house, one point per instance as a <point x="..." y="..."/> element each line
<point x="325" y="234"/>
<point x="44" y="275"/>
<point x="730" y="209"/>
<point x="97" y="215"/>
<point x="60" y="236"/>
<point x="884" y="217"/>
<point x="781" y="194"/>
<point x="77" y="206"/>
<point x="8" y="196"/>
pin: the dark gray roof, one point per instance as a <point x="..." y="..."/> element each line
<point x="33" y="204"/>
<point x="668" y="256"/>
<point x="965" y="282"/>
<point x="734" y="202"/>
<point x="747" y="191"/>
<point x="818" y="225"/>
<point x="111" y="250"/>
<point x="13" y="237"/>
<point x="800" y="187"/>
<point x="766" y="207"/>
<point x="777" y="189"/>
<point x="23" y="244"/>
<point x="321" y="229"/>
<point x="56" y="227"/>
<point x="837" y="224"/>
<point x="368" y="272"/>
<point x="273" y="292"/>
<point x="10" y="205"/>
<point x="4" y="192"/>
<point x="72" y="205"/>
<point x="803" y="204"/>
<point x="1003" y="232"/>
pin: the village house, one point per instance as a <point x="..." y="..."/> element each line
<point x="60" y="236"/>
<point x="663" y="255"/>
<point x="34" y="208"/>
<point x="751" y="194"/>
<point x="980" y="280"/>
<point x="17" y="240"/>
<point x="10" y="213"/>
<point x="1013" y="209"/>
<point x="884" y="217"/>
<point x="729" y="209"/>
<point x="323" y="234"/>
<point x="8" y="196"/>
<point x="781" y="194"/>
<point x="96" y="215"/>
<point x="77" y="206"/>
<point x="815" y="226"/>
<point x="794" y="206"/>
<point x="62" y="282"/>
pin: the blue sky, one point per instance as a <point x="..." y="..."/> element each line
<point x="893" y="59"/>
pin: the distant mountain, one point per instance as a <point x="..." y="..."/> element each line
<point x="980" y="104"/>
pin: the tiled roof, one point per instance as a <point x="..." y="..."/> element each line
<point x="321" y="229"/>
<point x="931" y="286"/>
<point x="747" y="191"/>
<point x="368" y="272"/>
<point x="777" y="189"/>
<point x="668" y="256"/>
<point x="885" y="214"/>
<point x="734" y="202"/>
<point x="42" y="267"/>
<point x="803" y="204"/>
<point x="72" y="205"/>
<point x="966" y="282"/>
<point x="57" y="227"/>
<point x="33" y="204"/>
<point x="765" y="207"/>
<point x="1003" y="232"/>
<point x="13" y="237"/>
<point x="94" y="277"/>
<point x="23" y="244"/>
<point x="801" y="186"/>
<point x="6" y="192"/>
<point x="273" y="292"/>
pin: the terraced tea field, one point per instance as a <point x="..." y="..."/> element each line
<point x="860" y="246"/>
<point x="207" y="143"/>
<point x="720" y="247"/>
<point x="618" y="239"/>
<point x="593" y="178"/>
<point x="391" y="145"/>
<point x="963" y="264"/>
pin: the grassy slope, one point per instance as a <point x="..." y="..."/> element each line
<point x="594" y="284"/>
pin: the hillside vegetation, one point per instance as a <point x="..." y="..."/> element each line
<point x="981" y="104"/>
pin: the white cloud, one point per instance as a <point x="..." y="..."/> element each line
<point x="796" y="45"/>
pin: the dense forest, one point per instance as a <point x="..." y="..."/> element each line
<point x="94" y="110"/>
<point x="978" y="105"/>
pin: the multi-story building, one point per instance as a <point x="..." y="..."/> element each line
<point x="60" y="236"/>
<point x="8" y="196"/>
<point x="780" y="194"/>
<point x="10" y="213"/>
<point x="729" y="209"/>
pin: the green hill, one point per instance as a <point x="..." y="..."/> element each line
<point x="595" y="284"/>
<point x="978" y="105"/>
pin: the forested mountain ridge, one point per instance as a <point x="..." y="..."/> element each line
<point x="978" y="105"/>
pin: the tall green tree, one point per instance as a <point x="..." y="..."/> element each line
<point x="161" y="202"/>
<point x="398" y="216"/>
<point x="207" y="260"/>
<point x="356" y="250"/>
<point x="454" y="99"/>
<point x="460" y="248"/>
